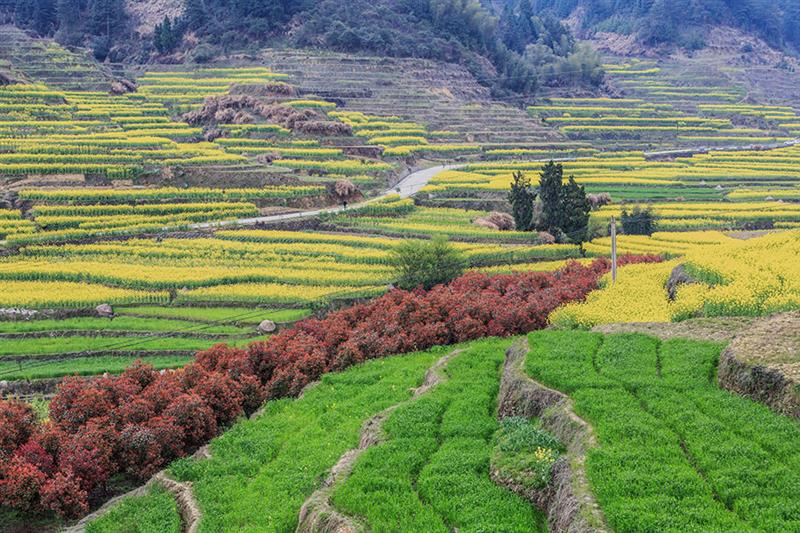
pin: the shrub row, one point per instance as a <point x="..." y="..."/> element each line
<point x="137" y="422"/>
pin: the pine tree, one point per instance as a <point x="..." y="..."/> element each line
<point x="44" y="17"/>
<point x="550" y="185"/>
<point x="164" y="36"/>
<point x="106" y="17"/>
<point x="69" y="14"/>
<point x="522" y="196"/>
<point x="195" y="14"/>
<point x="575" y="208"/>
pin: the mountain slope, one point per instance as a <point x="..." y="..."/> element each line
<point x="683" y="22"/>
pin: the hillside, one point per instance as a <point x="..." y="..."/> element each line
<point x="461" y="32"/>
<point x="316" y="266"/>
<point x="682" y="23"/>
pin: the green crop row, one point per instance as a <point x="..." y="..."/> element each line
<point x="168" y="194"/>
<point x="432" y="472"/>
<point x="298" y="441"/>
<point x="675" y="452"/>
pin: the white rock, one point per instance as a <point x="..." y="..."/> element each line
<point x="267" y="326"/>
<point x="104" y="310"/>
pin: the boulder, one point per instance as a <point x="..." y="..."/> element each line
<point x="546" y="238"/>
<point x="496" y="221"/>
<point x="267" y="326"/>
<point x="105" y="310"/>
<point x="679" y="276"/>
<point x="7" y="79"/>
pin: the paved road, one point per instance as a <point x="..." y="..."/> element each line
<point x="407" y="187"/>
<point x="707" y="149"/>
<point x="414" y="182"/>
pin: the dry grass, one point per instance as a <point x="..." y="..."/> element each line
<point x="773" y="342"/>
<point x="707" y="329"/>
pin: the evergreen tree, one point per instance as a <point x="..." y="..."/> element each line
<point x="165" y="36"/>
<point x="522" y="196"/>
<point x="550" y="184"/>
<point x="69" y="14"/>
<point x="638" y="222"/>
<point x="194" y="14"/>
<point x="106" y="17"/>
<point x="44" y="17"/>
<point x="575" y="208"/>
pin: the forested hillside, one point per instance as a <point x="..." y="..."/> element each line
<point x="517" y="50"/>
<point x="682" y="22"/>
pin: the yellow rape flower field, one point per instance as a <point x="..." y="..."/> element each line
<point x="732" y="277"/>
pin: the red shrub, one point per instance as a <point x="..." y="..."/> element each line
<point x="140" y="451"/>
<point x="161" y="392"/>
<point x="17" y="423"/>
<point x="50" y="438"/>
<point x="136" y="410"/>
<point x="140" y="373"/>
<point x="194" y="417"/>
<point x="145" y="448"/>
<point x="35" y="454"/>
<point x="224" y="358"/>
<point x="253" y="393"/>
<point x="77" y="401"/>
<point x="20" y="483"/>
<point x="165" y="415"/>
<point x="89" y="453"/>
<point x="64" y="495"/>
<point x="170" y="437"/>
<point x="222" y="394"/>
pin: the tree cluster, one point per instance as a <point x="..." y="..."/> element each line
<point x="427" y="263"/>
<point x="547" y="46"/>
<point x="556" y="207"/>
<point x="167" y="35"/>
<point x="638" y="221"/>
<point x="101" y="22"/>
<point x="683" y="22"/>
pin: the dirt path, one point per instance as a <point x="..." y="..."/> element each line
<point x="703" y="329"/>
<point x="318" y="514"/>
<point x="763" y="363"/>
<point x="569" y="502"/>
<point x="188" y="508"/>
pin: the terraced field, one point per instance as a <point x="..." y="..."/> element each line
<point x="673" y="451"/>
<point x="669" y="104"/>
<point x="122" y="225"/>
<point x="228" y="281"/>
<point x="427" y="446"/>
<point x="443" y="97"/>
<point x="723" y="277"/>
<point x="166" y="337"/>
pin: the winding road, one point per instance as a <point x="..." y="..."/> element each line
<point x="412" y="183"/>
<point x="406" y="187"/>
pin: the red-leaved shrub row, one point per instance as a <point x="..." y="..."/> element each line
<point x="139" y="421"/>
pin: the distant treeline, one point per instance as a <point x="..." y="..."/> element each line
<point x="514" y="49"/>
<point x="682" y="22"/>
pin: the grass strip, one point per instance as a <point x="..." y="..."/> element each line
<point x="263" y="469"/>
<point x="154" y="512"/>
<point x="676" y="453"/>
<point x="244" y="315"/>
<point x="84" y="366"/>
<point x="432" y="472"/>
<point x="120" y="323"/>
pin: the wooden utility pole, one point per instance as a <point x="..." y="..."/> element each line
<point x="613" y="250"/>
